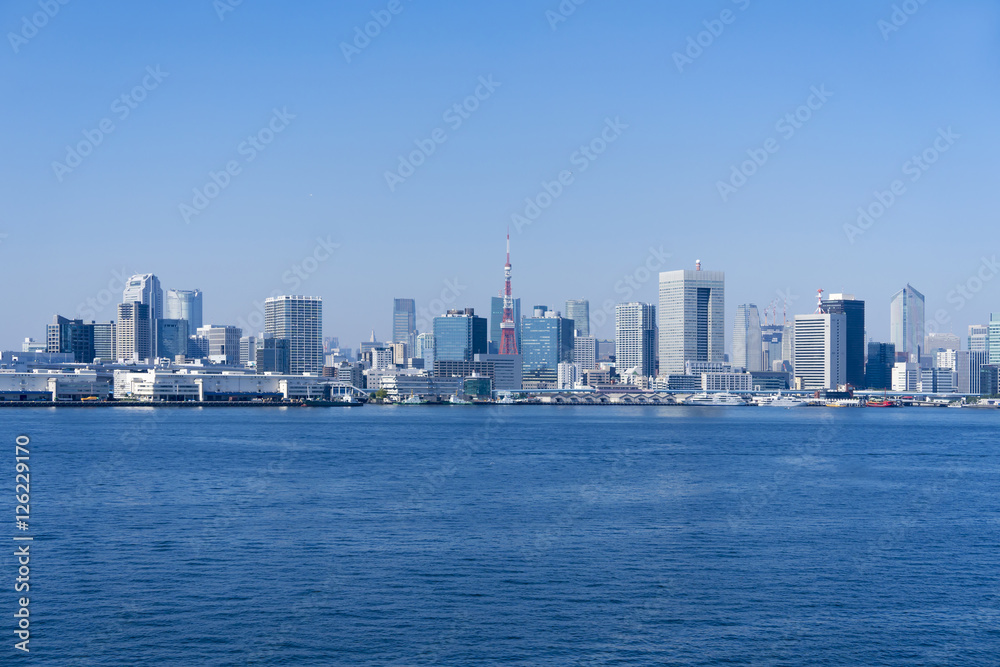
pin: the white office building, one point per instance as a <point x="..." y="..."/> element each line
<point x="585" y="352"/>
<point x="905" y="376"/>
<point x="820" y="351"/>
<point x="979" y="338"/>
<point x="299" y="320"/>
<point x="568" y="375"/>
<point x="635" y="338"/>
<point x="223" y="343"/>
<point x="133" y="333"/>
<point x="748" y="351"/>
<point x="691" y="318"/>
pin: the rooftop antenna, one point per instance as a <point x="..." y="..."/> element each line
<point x="697" y="265"/>
<point x="819" y="302"/>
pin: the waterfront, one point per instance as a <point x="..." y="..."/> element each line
<point x="499" y="535"/>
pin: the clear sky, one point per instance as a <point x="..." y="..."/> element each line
<point x="329" y="121"/>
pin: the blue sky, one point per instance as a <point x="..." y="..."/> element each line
<point x="554" y="87"/>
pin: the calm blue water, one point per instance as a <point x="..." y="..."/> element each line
<point x="511" y="535"/>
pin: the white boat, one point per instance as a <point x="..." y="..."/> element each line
<point x="506" y="399"/>
<point x="780" y="401"/>
<point x="455" y="400"/>
<point x="723" y="398"/>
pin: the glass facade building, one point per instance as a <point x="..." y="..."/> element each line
<point x="854" y="310"/>
<point x="65" y="335"/>
<point x="546" y="342"/>
<point x="459" y="336"/>
<point x="906" y="323"/>
<point x="578" y="310"/>
<point x="691" y="318"/>
<point x="748" y="351"/>
<point x="184" y="305"/>
<point x="171" y="338"/>
<point x="404" y="321"/>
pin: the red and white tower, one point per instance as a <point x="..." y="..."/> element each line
<point x="508" y="335"/>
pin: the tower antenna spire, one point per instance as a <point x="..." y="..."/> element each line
<point x="508" y="336"/>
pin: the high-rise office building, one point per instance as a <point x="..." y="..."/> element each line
<point x="272" y="355"/>
<point x="223" y="343"/>
<point x="248" y="350"/>
<point x="104" y="341"/>
<point x="748" y="349"/>
<point x="496" y="319"/>
<point x="635" y="338"/>
<point x="73" y="336"/>
<point x="547" y="342"/>
<point x="585" y="352"/>
<point x="134" y="332"/>
<point x="145" y="288"/>
<point x="459" y="335"/>
<point x="854" y="313"/>
<point x="184" y="305"/>
<point x="935" y="342"/>
<point x="906" y="323"/>
<point x="979" y="337"/>
<point x="772" y="338"/>
<point x="820" y="351"/>
<point x="788" y="346"/>
<point x="404" y="321"/>
<point x="171" y="338"/>
<point x="578" y="310"/>
<point x="691" y="318"/>
<point x="299" y="320"/>
<point x="969" y="366"/>
<point x="878" y="371"/>
<point x="993" y="339"/>
<point x="425" y="349"/>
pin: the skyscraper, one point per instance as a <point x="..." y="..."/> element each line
<point x="459" y="335"/>
<point x="993" y="339"/>
<point x="578" y="310"/>
<point x="104" y="341"/>
<point x="772" y="339"/>
<point x="224" y="343"/>
<point x="73" y="336"/>
<point x="585" y="352"/>
<point x="425" y="349"/>
<point x="548" y="341"/>
<point x="635" y="338"/>
<point x="184" y="305"/>
<point x="145" y="288"/>
<point x="691" y="318"/>
<point x="854" y="312"/>
<point x="878" y="371"/>
<point x="496" y="319"/>
<point x="299" y="320"/>
<point x="404" y="321"/>
<point x="134" y="332"/>
<point x="906" y="323"/>
<point x="969" y="367"/>
<point x="820" y="351"/>
<point x="747" y="339"/>
<point x="171" y="338"/>
<point x="979" y="338"/>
